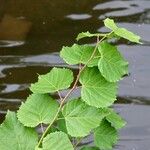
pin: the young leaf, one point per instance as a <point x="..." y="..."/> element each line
<point x="109" y="23"/>
<point x="79" y="54"/>
<point x="111" y="64"/>
<point x="96" y="91"/>
<point x="81" y="118"/>
<point x="39" y="108"/>
<point x="122" y="32"/>
<point x="88" y="34"/>
<point x="105" y="136"/>
<point x="57" y="141"/>
<point x="56" y="79"/>
<point x="14" y="136"/>
<point x="115" y="120"/>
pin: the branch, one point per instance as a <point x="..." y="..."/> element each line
<point x="78" y="142"/>
<point x="70" y="91"/>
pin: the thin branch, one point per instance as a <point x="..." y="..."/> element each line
<point x="71" y="90"/>
<point x="78" y="142"/>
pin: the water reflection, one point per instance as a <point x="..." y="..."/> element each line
<point x="13" y="31"/>
<point x="6" y="43"/>
<point x="137" y="133"/>
<point x="79" y="16"/>
<point x="12" y="28"/>
<point x="126" y="8"/>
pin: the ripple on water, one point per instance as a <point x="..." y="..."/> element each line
<point x="78" y="16"/>
<point x="128" y="8"/>
<point x="6" y="43"/>
<point x="136" y="135"/>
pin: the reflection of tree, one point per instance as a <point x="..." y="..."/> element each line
<point x="2" y="8"/>
<point x="49" y="11"/>
<point x="37" y="9"/>
<point x="48" y="20"/>
<point x="12" y="28"/>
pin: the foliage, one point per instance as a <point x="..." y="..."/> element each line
<point x="57" y="141"/>
<point x="14" y="136"/>
<point x="105" y="135"/>
<point x="67" y="121"/>
<point x="32" y="115"/>
<point x="96" y="90"/>
<point x="56" y="79"/>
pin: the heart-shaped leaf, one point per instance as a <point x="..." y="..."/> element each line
<point x="39" y="108"/>
<point x="96" y="91"/>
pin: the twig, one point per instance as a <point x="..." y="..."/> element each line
<point x="70" y="91"/>
<point x="78" y="142"/>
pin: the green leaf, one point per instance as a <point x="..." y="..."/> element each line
<point x="111" y="64"/>
<point x="109" y="23"/>
<point x="88" y="34"/>
<point x="115" y="120"/>
<point x="81" y="118"/>
<point x="79" y="54"/>
<point x="57" y="141"/>
<point x="96" y="91"/>
<point x="56" y="79"/>
<point x="39" y="108"/>
<point x="105" y="136"/>
<point x="89" y="148"/>
<point x="122" y="32"/>
<point x="14" y="136"/>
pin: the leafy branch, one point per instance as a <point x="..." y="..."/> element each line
<point x="71" y="90"/>
<point x="100" y="68"/>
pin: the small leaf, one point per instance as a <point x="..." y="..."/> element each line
<point x="96" y="91"/>
<point x="115" y="120"/>
<point x="111" y="64"/>
<point x="57" y="141"/>
<point x="122" y="32"/>
<point x="79" y="54"/>
<point x="87" y="34"/>
<point x="105" y="136"/>
<point x="81" y="118"/>
<point x="39" y="108"/>
<point x="109" y="23"/>
<point x="56" y="79"/>
<point x="14" y="136"/>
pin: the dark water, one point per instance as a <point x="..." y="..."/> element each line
<point x="33" y="31"/>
